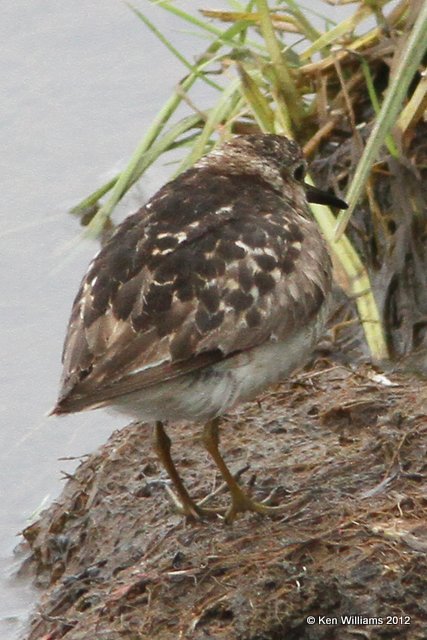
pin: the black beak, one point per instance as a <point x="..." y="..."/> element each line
<point x="323" y="197"/>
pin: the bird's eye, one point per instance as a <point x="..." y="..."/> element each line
<point x="299" y="172"/>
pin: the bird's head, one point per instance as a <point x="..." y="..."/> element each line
<point x="276" y="160"/>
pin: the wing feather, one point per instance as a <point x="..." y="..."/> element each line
<point x="186" y="282"/>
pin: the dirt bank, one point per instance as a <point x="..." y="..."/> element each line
<point x="344" y="449"/>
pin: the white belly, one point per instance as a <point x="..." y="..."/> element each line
<point x="209" y="392"/>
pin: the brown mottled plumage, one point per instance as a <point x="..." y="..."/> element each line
<point x="215" y="289"/>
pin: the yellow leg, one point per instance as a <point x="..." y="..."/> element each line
<point x="240" y="501"/>
<point x="184" y="502"/>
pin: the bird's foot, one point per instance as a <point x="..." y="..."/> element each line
<point x="192" y="510"/>
<point x="196" y="510"/>
<point x="241" y="502"/>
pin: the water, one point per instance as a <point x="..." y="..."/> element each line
<point x="80" y="82"/>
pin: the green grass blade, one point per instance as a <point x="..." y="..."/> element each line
<point x="360" y="286"/>
<point x="216" y="116"/>
<point x="284" y="82"/>
<point x="127" y="175"/>
<point x="410" y="58"/>
<point x="391" y="146"/>
<point x="258" y="103"/>
<point x="166" y="142"/>
<point x="192" y="68"/>
<point x="415" y="108"/>
<point x="330" y="37"/>
<point x="224" y="37"/>
<point x="92" y="199"/>
<point x="309" y="31"/>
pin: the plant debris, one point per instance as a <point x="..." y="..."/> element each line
<point x="343" y="449"/>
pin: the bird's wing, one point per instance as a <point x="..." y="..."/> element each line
<point x="186" y="282"/>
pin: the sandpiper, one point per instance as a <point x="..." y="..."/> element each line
<point x="215" y="289"/>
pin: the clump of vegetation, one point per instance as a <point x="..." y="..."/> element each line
<point x="354" y="96"/>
